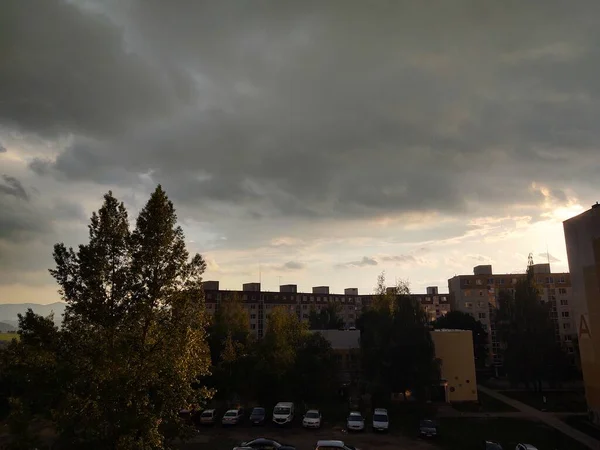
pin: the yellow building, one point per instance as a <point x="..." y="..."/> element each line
<point x="454" y="348"/>
<point x="582" y="235"/>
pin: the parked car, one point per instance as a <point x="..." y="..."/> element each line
<point x="283" y="413"/>
<point x="257" y="416"/>
<point x="355" y="422"/>
<point x="263" y="444"/>
<point x="525" y="447"/>
<point x="428" y="428"/>
<point x="381" y="421"/>
<point x="233" y="417"/>
<point x="333" y="445"/>
<point x="312" y="419"/>
<point x="489" y="445"/>
<point x="208" y="417"/>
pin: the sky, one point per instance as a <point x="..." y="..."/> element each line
<point x="310" y="143"/>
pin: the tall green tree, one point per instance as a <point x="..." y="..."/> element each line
<point x="529" y="348"/>
<point x="326" y="319"/>
<point x="133" y="342"/>
<point x="458" y="320"/>
<point x="232" y="348"/>
<point x="397" y="351"/>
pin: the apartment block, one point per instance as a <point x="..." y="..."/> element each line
<point x="582" y="235"/>
<point x="477" y="295"/>
<point x="259" y="303"/>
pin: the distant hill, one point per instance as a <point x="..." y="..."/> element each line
<point x="9" y="312"/>
<point x="7" y="327"/>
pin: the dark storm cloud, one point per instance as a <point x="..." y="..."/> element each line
<point x="313" y="109"/>
<point x="2" y="148"/>
<point x="12" y="186"/>
<point x="65" y="71"/>
<point x="294" y="265"/>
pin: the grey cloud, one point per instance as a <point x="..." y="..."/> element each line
<point x="13" y="187"/>
<point x="311" y="110"/>
<point x="294" y="265"/>
<point x="2" y="148"/>
<point x="400" y="259"/>
<point x="365" y="261"/>
<point x="547" y="257"/>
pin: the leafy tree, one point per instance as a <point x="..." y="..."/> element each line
<point x="133" y="341"/>
<point x="326" y="318"/>
<point x="526" y="332"/>
<point x="231" y="347"/>
<point x="397" y="351"/>
<point x="458" y="320"/>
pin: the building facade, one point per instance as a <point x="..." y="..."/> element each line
<point x="454" y="349"/>
<point x="477" y="295"/>
<point x="582" y="235"/>
<point x="259" y="303"/>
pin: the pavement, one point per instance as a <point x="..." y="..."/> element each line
<point x="549" y="419"/>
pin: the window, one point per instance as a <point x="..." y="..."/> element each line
<point x="482" y="315"/>
<point x="253" y="326"/>
<point x="253" y="316"/>
<point x="566" y="326"/>
<point x="514" y="281"/>
<point x="562" y="291"/>
<point x="481" y="293"/>
<point x="350" y="316"/>
<point x="478" y="282"/>
<point x="305" y="316"/>
<point x="304" y="306"/>
<point x="467" y="282"/>
<point x="209" y="306"/>
<point x="468" y="293"/>
<point x="562" y="280"/>
<point x="481" y="304"/>
<point x="568" y="338"/>
<point x="468" y="305"/>
<point x="502" y="281"/>
<point x="490" y="281"/>
<point x="570" y="349"/>
<point x="565" y="313"/>
<point x="252" y="306"/>
<point x="564" y="302"/>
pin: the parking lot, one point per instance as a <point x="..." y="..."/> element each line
<point x="225" y="438"/>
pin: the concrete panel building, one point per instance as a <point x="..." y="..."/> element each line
<point x="582" y="235"/>
<point x="477" y="294"/>
<point x="454" y="348"/>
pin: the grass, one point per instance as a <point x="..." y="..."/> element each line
<point x="463" y="433"/>
<point x="485" y="404"/>
<point x="8" y="336"/>
<point x="556" y="401"/>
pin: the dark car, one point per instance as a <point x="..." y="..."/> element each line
<point x="257" y="416"/>
<point x="428" y="428"/>
<point x="489" y="445"/>
<point x="264" y="444"/>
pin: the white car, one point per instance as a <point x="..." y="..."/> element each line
<point x="312" y="419"/>
<point x="381" y="420"/>
<point x="208" y="417"/>
<point x="333" y="445"/>
<point x="356" y="421"/>
<point x="525" y="447"/>
<point x="233" y="417"/>
<point x="283" y="413"/>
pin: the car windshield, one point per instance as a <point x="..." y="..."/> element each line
<point x="282" y="410"/>
<point x="207" y="414"/>
<point x="312" y="415"/>
<point x="380" y="418"/>
<point x="230" y="414"/>
<point x="355" y="418"/>
<point x="258" y="411"/>
<point x="428" y="423"/>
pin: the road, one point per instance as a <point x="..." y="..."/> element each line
<point x="549" y="419"/>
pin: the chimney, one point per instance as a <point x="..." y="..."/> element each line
<point x="485" y="269"/>
<point x="351" y="291"/>
<point x="432" y="290"/>
<point x="210" y="285"/>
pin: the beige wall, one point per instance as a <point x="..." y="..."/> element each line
<point x="455" y="350"/>
<point x="582" y="234"/>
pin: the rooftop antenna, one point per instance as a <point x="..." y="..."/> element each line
<point x="547" y="253"/>
<point x="259" y="274"/>
<point x="279" y="280"/>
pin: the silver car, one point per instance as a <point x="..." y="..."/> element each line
<point x="355" y="422"/>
